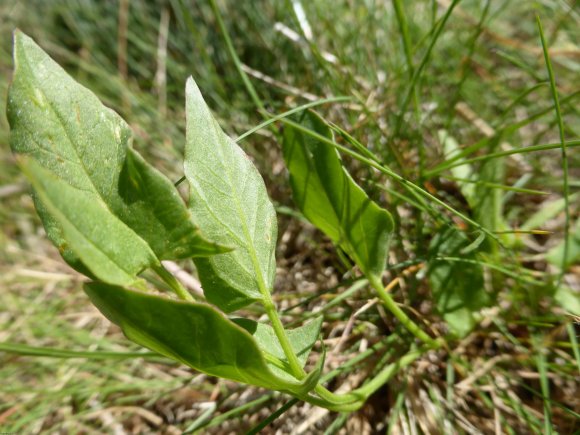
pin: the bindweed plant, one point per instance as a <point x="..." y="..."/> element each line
<point x="112" y="216"/>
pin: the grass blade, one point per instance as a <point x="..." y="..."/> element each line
<point x="566" y="188"/>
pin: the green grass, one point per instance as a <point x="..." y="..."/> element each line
<point x="412" y="72"/>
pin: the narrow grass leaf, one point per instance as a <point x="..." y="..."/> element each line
<point x="560" y="120"/>
<point x="542" y="366"/>
<point x="50" y="352"/>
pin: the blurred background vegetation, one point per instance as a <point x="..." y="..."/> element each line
<point x="428" y="89"/>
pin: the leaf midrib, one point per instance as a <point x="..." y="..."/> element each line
<point x="350" y="189"/>
<point x="249" y="242"/>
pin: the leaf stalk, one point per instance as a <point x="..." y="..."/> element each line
<point x="172" y="282"/>
<point x="405" y="320"/>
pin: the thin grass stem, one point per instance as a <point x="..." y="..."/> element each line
<point x="566" y="187"/>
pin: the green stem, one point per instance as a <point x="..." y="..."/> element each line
<point x="559" y="118"/>
<point x="295" y="366"/>
<point x="356" y="398"/>
<point x="392" y="306"/>
<point x="172" y="282"/>
<point x="353" y="400"/>
<point x="269" y="306"/>
<point x="418" y="72"/>
<point x="248" y="84"/>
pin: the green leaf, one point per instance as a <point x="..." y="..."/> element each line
<point x="458" y="287"/>
<point x="56" y="236"/>
<point x="108" y="247"/>
<point x="556" y="254"/>
<point x="230" y="203"/>
<point x="65" y="128"/>
<point x="301" y="339"/>
<point x="192" y="333"/>
<point x="568" y="299"/>
<point x="487" y="201"/>
<point x="549" y="210"/>
<point x="152" y="207"/>
<point x="328" y="196"/>
<point x="465" y="172"/>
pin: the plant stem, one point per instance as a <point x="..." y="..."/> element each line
<point x="356" y="398"/>
<point x="269" y="306"/>
<point x="295" y="366"/>
<point x="353" y="400"/>
<point x="172" y="282"/>
<point x="249" y="87"/>
<point x="418" y="72"/>
<point x="559" y="118"/>
<point x="392" y="306"/>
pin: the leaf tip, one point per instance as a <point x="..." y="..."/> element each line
<point x="19" y="38"/>
<point x="191" y="87"/>
<point x="23" y="45"/>
<point x="193" y="94"/>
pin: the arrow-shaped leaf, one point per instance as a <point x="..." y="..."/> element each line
<point x="195" y="334"/>
<point x="152" y="207"/>
<point x="458" y="287"/>
<point x="230" y="204"/>
<point x="110" y="249"/>
<point x="330" y="199"/>
<point x="65" y="128"/>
